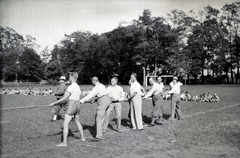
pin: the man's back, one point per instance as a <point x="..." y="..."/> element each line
<point x="75" y="91"/>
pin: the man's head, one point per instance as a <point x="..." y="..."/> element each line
<point x="159" y="79"/>
<point x="95" y="80"/>
<point x="62" y="79"/>
<point x="175" y="79"/>
<point x="114" y="81"/>
<point x="133" y="77"/>
<point x="151" y="81"/>
<point x="73" y="76"/>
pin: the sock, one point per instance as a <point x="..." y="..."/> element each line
<point x="54" y="117"/>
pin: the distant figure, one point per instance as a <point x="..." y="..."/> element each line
<point x="195" y="98"/>
<point x="188" y="96"/>
<point x="59" y="94"/>
<point x="166" y="95"/>
<point x="183" y="96"/>
<point x="204" y="98"/>
<point x="209" y="96"/>
<point x="200" y="99"/>
<point x="215" y="98"/>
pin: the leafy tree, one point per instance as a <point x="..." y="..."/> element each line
<point x="230" y="18"/>
<point x="31" y="67"/>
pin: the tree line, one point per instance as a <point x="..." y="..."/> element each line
<point x="202" y="47"/>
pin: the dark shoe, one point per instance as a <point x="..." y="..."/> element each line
<point x="96" y="140"/>
<point x="140" y="130"/>
<point x="151" y="125"/>
<point x="158" y="123"/>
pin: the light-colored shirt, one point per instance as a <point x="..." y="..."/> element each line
<point x="161" y="85"/>
<point x="156" y="89"/>
<point x="116" y="92"/>
<point x="171" y="84"/>
<point x="176" y="88"/>
<point x="136" y="87"/>
<point x="75" y="91"/>
<point x="98" y="90"/>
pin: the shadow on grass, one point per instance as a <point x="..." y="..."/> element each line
<point x="91" y="129"/>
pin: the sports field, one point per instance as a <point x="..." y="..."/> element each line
<point x="208" y="130"/>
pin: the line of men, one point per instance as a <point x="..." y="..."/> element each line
<point x="110" y="98"/>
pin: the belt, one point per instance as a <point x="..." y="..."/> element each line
<point x="157" y="94"/>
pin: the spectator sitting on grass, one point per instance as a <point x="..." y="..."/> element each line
<point x="209" y="96"/>
<point x="188" y="97"/>
<point x="195" y="97"/>
<point x="215" y="98"/>
<point x="183" y="96"/>
<point x="166" y="95"/>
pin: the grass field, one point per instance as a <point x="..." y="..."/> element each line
<point x="208" y="130"/>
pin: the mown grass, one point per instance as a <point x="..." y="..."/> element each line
<point x="29" y="132"/>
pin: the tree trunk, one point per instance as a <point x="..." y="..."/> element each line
<point x="237" y="76"/>
<point x="202" y="75"/>
<point x="232" y="80"/>
<point x="213" y="80"/>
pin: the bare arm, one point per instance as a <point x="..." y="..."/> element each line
<point x="65" y="97"/>
<point x="92" y="94"/>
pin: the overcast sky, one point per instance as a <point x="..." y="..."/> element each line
<point x="49" y="20"/>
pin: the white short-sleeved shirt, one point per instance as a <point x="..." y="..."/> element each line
<point x="75" y="91"/>
<point x="136" y="87"/>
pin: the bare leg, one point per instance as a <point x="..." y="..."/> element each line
<point x="67" y="119"/>
<point x="77" y="120"/>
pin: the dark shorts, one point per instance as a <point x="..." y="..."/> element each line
<point x="73" y="107"/>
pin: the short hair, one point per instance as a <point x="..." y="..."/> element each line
<point x="175" y="78"/>
<point x="151" y="78"/>
<point x="134" y="74"/>
<point x="74" y="75"/>
<point x="115" y="78"/>
<point x="95" y="78"/>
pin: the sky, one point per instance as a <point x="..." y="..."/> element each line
<point x="49" y="20"/>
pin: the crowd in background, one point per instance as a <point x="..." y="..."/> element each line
<point x="185" y="96"/>
<point x="27" y="91"/>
